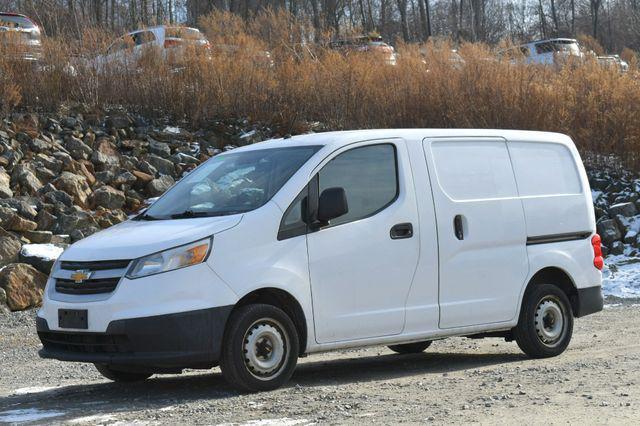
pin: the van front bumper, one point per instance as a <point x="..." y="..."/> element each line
<point x="190" y="339"/>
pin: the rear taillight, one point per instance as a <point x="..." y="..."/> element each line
<point x="598" y="261"/>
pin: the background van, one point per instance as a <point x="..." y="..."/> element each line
<point x="330" y="241"/>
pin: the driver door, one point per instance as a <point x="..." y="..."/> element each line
<point x="362" y="263"/>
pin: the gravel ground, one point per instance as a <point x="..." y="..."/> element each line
<point x="455" y="381"/>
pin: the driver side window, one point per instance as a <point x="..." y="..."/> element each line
<point x="369" y="177"/>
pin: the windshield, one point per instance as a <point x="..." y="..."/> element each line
<point x="231" y="183"/>
<point x="566" y="46"/>
<point x="184" y="33"/>
<point x="15" y="21"/>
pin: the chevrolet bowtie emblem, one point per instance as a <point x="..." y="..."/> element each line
<point x="80" y="275"/>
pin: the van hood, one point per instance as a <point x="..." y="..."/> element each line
<point x="133" y="238"/>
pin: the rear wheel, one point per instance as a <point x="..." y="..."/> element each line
<point x="545" y="325"/>
<point x="411" y="348"/>
<point x="260" y="349"/>
<point x="116" y="375"/>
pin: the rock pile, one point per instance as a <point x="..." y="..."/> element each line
<point x="64" y="178"/>
<point x="616" y="199"/>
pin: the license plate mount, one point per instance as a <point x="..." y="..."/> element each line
<point x="73" y="318"/>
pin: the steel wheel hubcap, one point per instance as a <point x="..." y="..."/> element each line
<point x="264" y="348"/>
<point x="549" y="321"/>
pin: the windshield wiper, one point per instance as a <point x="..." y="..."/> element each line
<point x="187" y="214"/>
<point x="145" y="216"/>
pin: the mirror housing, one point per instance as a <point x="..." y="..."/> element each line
<point x="332" y="204"/>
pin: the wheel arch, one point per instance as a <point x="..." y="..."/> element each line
<point x="558" y="277"/>
<point x="284" y="300"/>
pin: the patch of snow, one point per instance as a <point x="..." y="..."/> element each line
<point x="35" y="389"/>
<point x="28" y="415"/>
<point x="95" y="419"/>
<point x="42" y="251"/>
<point x="171" y="129"/>
<point x="631" y="224"/>
<point x="595" y="194"/>
<point x="621" y="276"/>
<point x="247" y="134"/>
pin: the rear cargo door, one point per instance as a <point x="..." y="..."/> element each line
<point x="481" y="230"/>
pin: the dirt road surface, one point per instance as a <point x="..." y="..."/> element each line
<point x="455" y="381"/>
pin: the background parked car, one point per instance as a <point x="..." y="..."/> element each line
<point x="613" y="62"/>
<point x="171" y="41"/>
<point x="20" y="37"/>
<point x="369" y="43"/>
<point x="555" y="51"/>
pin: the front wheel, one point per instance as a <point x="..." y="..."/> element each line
<point x="116" y="375"/>
<point x="260" y="349"/>
<point x="545" y="325"/>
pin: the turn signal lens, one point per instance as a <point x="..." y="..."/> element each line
<point x="596" y="243"/>
<point x="197" y="254"/>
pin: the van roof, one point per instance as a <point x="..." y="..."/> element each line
<point x="341" y="138"/>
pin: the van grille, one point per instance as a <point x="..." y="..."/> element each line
<point x="104" y="285"/>
<point x="85" y="342"/>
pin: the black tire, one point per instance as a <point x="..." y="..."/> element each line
<point x="260" y="348"/>
<point x="411" y="348"/>
<point x="545" y="325"/>
<point x="121" y="376"/>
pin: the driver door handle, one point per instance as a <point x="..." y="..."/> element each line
<point x="401" y="230"/>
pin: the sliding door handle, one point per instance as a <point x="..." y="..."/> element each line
<point x="457" y="227"/>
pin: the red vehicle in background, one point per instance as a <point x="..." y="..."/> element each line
<point x="20" y="38"/>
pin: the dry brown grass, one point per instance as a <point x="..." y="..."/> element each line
<point x="599" y="108"/>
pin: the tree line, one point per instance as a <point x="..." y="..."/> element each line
<point x="615" y="24"/>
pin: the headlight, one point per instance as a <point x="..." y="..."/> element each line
<point x="169" y="260"/>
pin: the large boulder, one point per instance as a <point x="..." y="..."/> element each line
<point x="27" y="179"/>
<point x="108" y="198"/>
<point x="77" y="148"/>
<point x="23" y="206"/>
<point x="23" y="284"/>
<point x="625" y="209"/>
<point x="39" y="237"/>
<point x="78" y="223"/>
<point x="164" y="166"/>
<point x="74" y="185"/>
<point x="118" y="121"/>
<point x="608" y="231"/>
<point x="5" y="186"/>
<point x="157" y="187"/>
<point x="105" y="154"/>
<point x="160" y="149"/>
<point x="124" y="178"/>
<point x="11" y="221"/>
<point x="9" y="248"/>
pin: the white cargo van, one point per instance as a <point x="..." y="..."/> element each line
<point x="330" y="241"/>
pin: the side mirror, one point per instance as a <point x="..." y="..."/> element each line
<point x="332" y="204"/>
